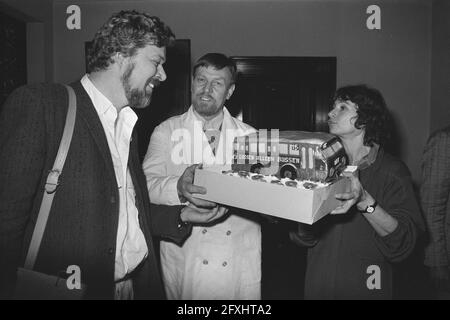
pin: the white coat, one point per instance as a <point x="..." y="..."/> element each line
<point x="222" y="261"/>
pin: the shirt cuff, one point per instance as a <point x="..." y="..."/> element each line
<point x="172" y="192"/>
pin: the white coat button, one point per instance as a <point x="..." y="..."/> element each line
<point x="224" y="263"/>
<point x="205" y="261"/>
<point x="204" y="231"/>
<point x="228" y="232"/>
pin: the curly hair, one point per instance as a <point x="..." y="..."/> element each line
<point x="126" y="32"/>
<point x="372" y="112"/>
<point x="218" y="61"/>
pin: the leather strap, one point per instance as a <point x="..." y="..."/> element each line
<point x="52" y="182"/>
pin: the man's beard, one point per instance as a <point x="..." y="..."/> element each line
<point x="204" y="108"/>
<point x="137" y="98"/>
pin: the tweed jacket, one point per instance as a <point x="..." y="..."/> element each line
<point x="83" y="222"/>
<point x="435" y="197"/>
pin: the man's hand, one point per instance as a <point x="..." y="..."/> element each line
<point x="440" y="277"/>
<point x="186" y="188"/>
<point x="356" y="195"/>
<point x="196" y="215"/>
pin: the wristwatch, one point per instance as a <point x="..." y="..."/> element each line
<point x="370" y="208"/>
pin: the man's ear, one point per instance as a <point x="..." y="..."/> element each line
<point x="118" y="59"/>
<point x="230" y="91"/>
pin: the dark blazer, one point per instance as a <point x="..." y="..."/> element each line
<point x="83" y="222"/>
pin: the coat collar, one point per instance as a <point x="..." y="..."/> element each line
<point x="370" y="158"/>
<point x="231" y="128"/>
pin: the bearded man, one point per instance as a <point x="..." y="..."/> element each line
<point x="100" y="218"/>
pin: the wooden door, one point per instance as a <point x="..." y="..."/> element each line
<point x="285" y="93"/>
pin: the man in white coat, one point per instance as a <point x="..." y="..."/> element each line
<point x="221" y="260"/>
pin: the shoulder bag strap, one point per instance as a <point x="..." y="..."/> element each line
<point x="52" y="182"/>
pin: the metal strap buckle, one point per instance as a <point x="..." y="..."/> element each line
<point x="52" y="181"/>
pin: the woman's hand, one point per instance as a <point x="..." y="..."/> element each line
<point x="348" y="199"/>
<point x="304" y="237"/>
<point x="380" y="220"/>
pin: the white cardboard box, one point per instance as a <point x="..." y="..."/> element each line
<point x="306" y="206"/>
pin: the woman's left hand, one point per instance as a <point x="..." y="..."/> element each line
<point x="348" y="199"/>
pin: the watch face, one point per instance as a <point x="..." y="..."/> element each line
<point x="370" y="209"/>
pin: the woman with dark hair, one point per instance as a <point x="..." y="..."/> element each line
<point x="352" y="255"/>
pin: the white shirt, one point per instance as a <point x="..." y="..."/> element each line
<point x="131" y="247"/>
<point x="222" y="261"/>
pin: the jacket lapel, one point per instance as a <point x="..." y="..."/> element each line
<point x="196" y="139"/>
<point x="230" y="130"/>
<point x="87" y="113"/>
<point x="140" y="186"/>
<point x="227" y="135"/>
